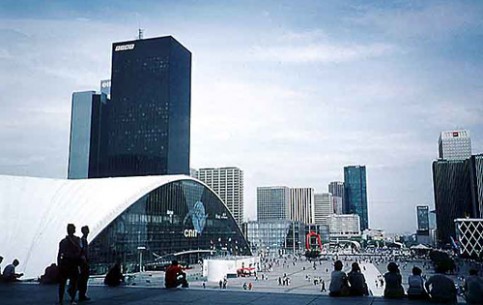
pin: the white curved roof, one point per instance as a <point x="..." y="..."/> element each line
<point x="34" y="212"/>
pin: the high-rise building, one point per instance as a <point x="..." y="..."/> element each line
<point x="423" y="217"/>
<point x="146" y="124"/>
<point x="337" y="205"/>
<point x="336" y="188"/>
<point x="455" y="145"/>
<point x="88" y="111"/>
<point x="476" y="184"/>
<point x="227" y="182"/>
<point x="273" y="202"/>
<point x="302" y="205"/>
<point x="452" y="195"/>
<point x="356" y="193"/>
<point x="345" y="225"/>
<point x="274" y="236"/>
<point x="323" y="207"/>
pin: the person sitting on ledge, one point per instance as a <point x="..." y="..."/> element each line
<point x="473" y="288"/>
<point x="51" y="275"/>
<point x="9" y="274"/>
<point x="175" y="276"/>
<point x="393" y="278"/>
<point x="338" y="281"/>
<point x="357" y="281"/>
<point x="441" y="288"/>
<point x="114" y="276"/>
<point x="416" y="289"/>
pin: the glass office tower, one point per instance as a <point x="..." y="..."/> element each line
<point x="148" y="120"/>
<point x="356" y="193"/>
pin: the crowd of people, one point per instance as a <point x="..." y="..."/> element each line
<point x="438" y="288"/>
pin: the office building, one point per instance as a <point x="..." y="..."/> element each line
<point x="146" y="124"/>
<point x="227" y="182"/>
<point x="452" y="196"/>
<point x="344" y="226"/>
<point x="476" y="184"/>
<point x="273" y="202"/>
<point x="470" y="237"/>
<point x="302" y="205"/>
<point x="323" y="207"/>
<point x="336" y="188"/>
<point x="454" y="145"/>
<point x="356" y="193"/>
<point x="337" y="205"/>
<point x="423" y="217"/>
<point x="87" y="114"/>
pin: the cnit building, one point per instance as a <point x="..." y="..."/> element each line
<point x="129" y="164"/>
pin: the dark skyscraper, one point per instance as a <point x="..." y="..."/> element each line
<point x="146" y="127"/>
<point x="452" y="195"/>
<point x="336" y="188"/>
<point x="423" y="217"/>
<point x="476" y="180"/>
<point x="356" y="193"/>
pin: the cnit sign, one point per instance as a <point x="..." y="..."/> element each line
<point x="124" y="47"/>
<point x="190" y="233"/>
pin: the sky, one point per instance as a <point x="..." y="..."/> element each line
<point x="288" y="91"/>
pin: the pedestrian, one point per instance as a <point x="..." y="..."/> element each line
<point x="220" y="283"/>
<point x="225" y="282"/>
<point x="204" y="284"/>
<point x="338" y="281"/>
<point x="84" y="267"/>
<point x="1" y="260"/>
<point x="322" y="286"/>
<point x="250" y="286"/>
<point x="68" y="260"/>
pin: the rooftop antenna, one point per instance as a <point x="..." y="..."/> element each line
<point x="140" y="33"/>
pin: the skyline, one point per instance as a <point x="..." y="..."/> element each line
<point x="289" y="93"/>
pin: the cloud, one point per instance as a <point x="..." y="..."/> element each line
<point x="320" y="53"/>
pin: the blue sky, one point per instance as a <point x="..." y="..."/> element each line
<point x="288" y="91"/>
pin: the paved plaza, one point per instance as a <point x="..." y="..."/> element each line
<point x="147" y="287"/>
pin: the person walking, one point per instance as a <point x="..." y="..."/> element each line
<point x="68" y="260"/>
<point x="84" y="267"/>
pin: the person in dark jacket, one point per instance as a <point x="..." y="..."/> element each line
<point x="393" y="279"/>
<point x="68" y="260"/>
<point x="114" y="277"/>
<point x="441" y="288"/>
<point x="357" y="281"/>
<point x="84" y="265"/>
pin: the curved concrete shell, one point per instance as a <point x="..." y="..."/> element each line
<point x="34" y="213"/>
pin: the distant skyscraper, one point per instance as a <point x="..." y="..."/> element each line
<point x="356" y="193"/>
<point x="336" y="188"/>
<point x="302" y="205"/>
<point x="323" y="207"/>
<point x="148" y="121"/>
<point x="423" y="217"/>
<point x="193" y="173"/>
<point x="227" y="182"/>
<point x="452" y="195"/>
<point x="337" y="205"/>
<point x="88" y="109"/>
<point x="273" y="202"/>
<point x="455" y="145"/>
<point x="106" y="87"/>
<point x="476" y="181"/>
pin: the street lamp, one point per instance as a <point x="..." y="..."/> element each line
<point x="141" y="248"/>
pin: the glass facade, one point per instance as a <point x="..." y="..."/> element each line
<point x="423" y="217"/>
<point x="182" y="219"/>
<point x="148" y="120"/>
<point x="452" y="196"/>
<point x="273" y="202"/>
<point x="356" y="194"/>
<point x="273" y="237"/>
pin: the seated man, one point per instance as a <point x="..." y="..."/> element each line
<point x="114" y="277"/>
<point x="9" y="274"/>
<point x="441" y="288"/>
<point x="175" y="276"/>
